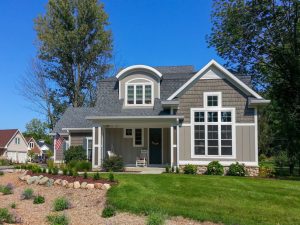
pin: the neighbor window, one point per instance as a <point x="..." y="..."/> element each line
<point x="128" y="133"/>
<point x="212" y="132"/>
<point x="17" y="141"/>
<point x="139" y="94"/>
<point x="31" y="145"/>
<point x="138" y="140"/>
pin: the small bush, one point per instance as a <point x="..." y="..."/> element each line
<point x="167" y="169"/>
<point x="85" y="175"/>
<point x="111" y="177"/>
<point x="65" y="171"/>
<point x="262" y="158"/>
<point x="114" y="164"/>
<point x="156" y="219"/>
<point x="50" y="163"/>
<point x="177" y="169"/>
<point x="190" y="169"/>
<point x="1" y="173"/>
<point x="281" y="159"/>
<point x="75" y="173"/>
<point x="75" y="153"/>
<point x="96" y="176"/>
<point x="172" y="169"/>
<point x="49" y="170"/>
<point x="236" y="169"/>
<point x="5" y="162"/>
<point x="58" y="219"/>
<point x="108" y="211"/>
<point x="27" y="194"/>
<point x="5" y="216"/>
<point x="70" y="172"/>
<point x="7" y="189"/>
<point x="38" y="199"/>
<point x="13" y="205"/>
<point x="215" y="168"/>
<point x="81" y="165"/>
<point x="61" y="204"/>
<point x="266" y="171"/>
<point x="55" y="170"/>
<point x="44" y="170"/>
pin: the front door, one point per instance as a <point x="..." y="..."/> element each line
<point x="155" y="144"/>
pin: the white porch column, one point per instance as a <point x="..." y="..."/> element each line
<point x="172" y="144"/>
<point x="97" y="147"/>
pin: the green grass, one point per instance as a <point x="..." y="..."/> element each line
<point x="229" y="200"/>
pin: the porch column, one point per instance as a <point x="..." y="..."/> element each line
<point x="97" y="147"/>
<point x="174" y="134"/>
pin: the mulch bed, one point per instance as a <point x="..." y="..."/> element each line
<point x="71" y="179"/>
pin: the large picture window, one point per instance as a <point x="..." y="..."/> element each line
<point x="139" y="94"/>
<point x="212" y="132"/>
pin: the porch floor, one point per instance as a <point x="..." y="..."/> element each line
<point x="145" y="170"/>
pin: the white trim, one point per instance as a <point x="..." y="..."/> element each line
<point x="219" y="123"/>
<point x="218" y="94"/>
<point x="185" y="124"/>
<point x="224" y="163"/>
<point x="177" y="145"/>
<point x="133" y="117"/>
<point x="94" y="146"/>
<point x="137" y="67"/>
<point x="100" y="145"/>
<point x="256" y="135"/>
<point x="225" y="71"/>
<point x="143" y="84"/>
<point x="79" y="129"/>
<point x="134" y="145"/>
<point x="124" y="133"/>
<point x="70" y="139"/>
<point x="87" y="146"/>
<point x="245" y="124"/>
<point x="172" y="143"/>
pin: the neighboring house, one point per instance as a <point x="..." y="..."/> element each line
<point x="13" y="145"/>
<point x="33" y="145"/>
<point x="44" y="147"/>
<point x="178" y="115"/>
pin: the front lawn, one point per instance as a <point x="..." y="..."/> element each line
<point x="229" y="200"/>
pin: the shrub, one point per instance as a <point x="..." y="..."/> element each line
<point x="215" y="168"/>
<point x="75" y="153"/>
<point x="80" y="165"/>
<point x="156" y="218"/>
<point x="70" y="172"/>
<point x="281" y="159"/>
<point x="114" y="164"/>
<point x="38" y="199"/>
<point x="75" y="173"/>
<point x="5" y="216"/>
<point x="65" y="171"/>
<point x="27" y="194"/>
<point x="1" y="173"/>
<point x="108" y="211"/>
<point x="44" y="170"/>
<point x="61" y="204"/>
<point x="13" y="205"/>
<point x="5" y="162"/>
<point x="96" y="176"/>
<point x="236" y="169"/>
<point x="111" y="177"/>
<point x="177" y="169"/>
<point x="172" y="169"/>
<point x="58" y="219"/>
<point x="262" y="157"/>
<point x="7" y="189"/>
<point x="266" y="171"/>
<point x="167" y="169"/>
<point x="190" y="169"/>
<point x="49" y="170"/>
<point x="85" y="175"/>
<point x="50" y="163"/>
<point x="55" y="170"/>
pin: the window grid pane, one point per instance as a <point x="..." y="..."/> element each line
<point x="226" y="116"/>
<point x="199" y="140"/>
<point x="212" y="140"/>
<point x="199" y="116"/>
<point x="130" y="95"/>
<point x="226" y="140"/>
<point x="212" y="116"/>
<point x="139" y="94"/>
<point x="212" y="100"/>
<point x="138" y="137"/>
<point x="148" y="94"/>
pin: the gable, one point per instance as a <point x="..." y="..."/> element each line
<point x="18" y="147"/>
<point x="6" y="136"/>
<point x="214" y="70"/>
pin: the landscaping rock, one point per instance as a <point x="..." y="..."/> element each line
<point x="106" y="186"/>
<point x="57" y="182"/>
<point x="76" y="184"/>
<point x="31" y="180"/>
<point x="43" y="180"/>
<point x="41" y="176"/>
<point x="98" y="185"/>
<point x="22" y="177"/>
<point x="37" y="180"/>
<point x="83" y="185"/>
<point x="90" y="186"/>
<point x="70" y="185"/>
<point x="64" y="183"/>
<point x="50" y="183"/>
<point x="27" y="177"/>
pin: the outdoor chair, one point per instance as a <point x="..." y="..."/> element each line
<point x="142" y="159"/>
<point x="111" y="154"/>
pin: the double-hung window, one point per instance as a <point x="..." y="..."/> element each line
<point x="212" y="128"/>
<point x="139" y="94"/>
<point x="138" y="140"/>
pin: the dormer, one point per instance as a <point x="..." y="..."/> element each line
<point x="139" y="86"/>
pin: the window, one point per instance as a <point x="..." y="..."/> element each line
<point x="31" y="145"/>
<point x="138" y="140"/>
<point x="139" y="94"/>
<point x="212" y="132"/>
<point x="89" y="148"/>
<point x="128" y="133"/>
<point x="212" y="99"/>
<point x="17" y="141"/>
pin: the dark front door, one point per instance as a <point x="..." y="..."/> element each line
<point x="155" y="145"/>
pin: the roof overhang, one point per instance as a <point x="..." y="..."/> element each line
<point x="254" y="102"/>
<point x="170" y="103"/>
<point x="125" y="71"/>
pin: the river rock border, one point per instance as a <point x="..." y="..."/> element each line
<point x="48" y="182"/>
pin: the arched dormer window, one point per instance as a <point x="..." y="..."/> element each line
<point x="139" y="92"/>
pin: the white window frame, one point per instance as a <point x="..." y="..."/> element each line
<point x="218" y="94"/>
<point x="87" y="146"/>
<point x="132" y="83"/>
<point x="125" y="135"/>
<point x="17" y="140"/>
<point x="134" y="145"/>
<point x="219" y="123"/>
<point x="31" y="145"/>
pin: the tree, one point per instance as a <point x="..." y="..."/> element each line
<point x="262" y="39"/>
<point x="74" y="47"/>
<point x="38" y="130"/>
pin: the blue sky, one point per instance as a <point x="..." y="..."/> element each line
<point x="151" y="32"/>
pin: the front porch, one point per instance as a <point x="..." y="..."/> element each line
<point x="155" y="141"/>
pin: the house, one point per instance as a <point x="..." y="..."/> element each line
<point x="179" y="115"/>
<point x="13" y="145"/>
<point x="33" y="145"/>
<point x="44" y="147"/>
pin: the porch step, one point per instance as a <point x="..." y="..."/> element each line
<point x="145" y="170"/>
